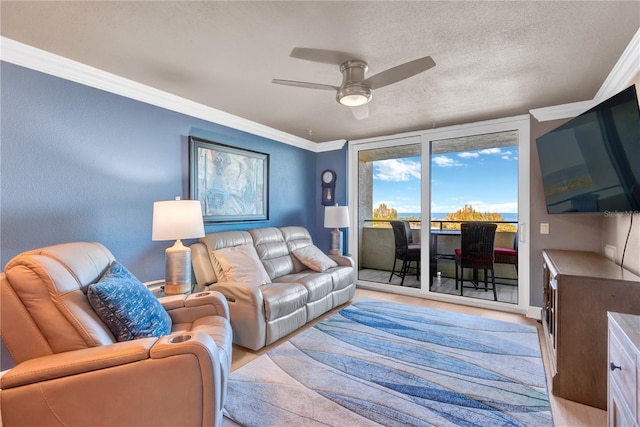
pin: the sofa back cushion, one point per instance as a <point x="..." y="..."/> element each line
<point x="273" y="251"/>
<point x="241" y="264"/>
<point x="274" y="247"/>
<point x="221" y="240"/>
<point x="296" y="238"/>
<point x="46" y="287"/>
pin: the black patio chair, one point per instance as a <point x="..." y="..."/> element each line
<point x="406" y="250"/>
<point x="476" y="252"/>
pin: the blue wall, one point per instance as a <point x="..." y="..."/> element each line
<point x="337" y="161"/>
<point x="78" y="163"/>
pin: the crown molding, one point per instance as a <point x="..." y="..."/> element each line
<point x="563" y="111"/>
<point x="622" y="74"/>
<point x="37" y="59"/>
<point x="330" y="145"/>
<point x="627" y="67"/>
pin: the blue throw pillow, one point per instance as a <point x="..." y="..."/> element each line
<point x="127" y="306"/>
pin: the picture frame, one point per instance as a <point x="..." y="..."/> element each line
<point x="232" y="184"/>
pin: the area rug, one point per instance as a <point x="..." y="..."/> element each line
<point x="382" y="363"/>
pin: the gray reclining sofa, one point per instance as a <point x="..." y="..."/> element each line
<point x="275" y="280"/>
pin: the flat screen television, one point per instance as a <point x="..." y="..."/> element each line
<point x="592" y="162"/>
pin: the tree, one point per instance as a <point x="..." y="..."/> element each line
<point x="384" y="213"/>
<point x="468" y="213"/>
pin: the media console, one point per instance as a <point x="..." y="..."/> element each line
<point x="579" y="289"/>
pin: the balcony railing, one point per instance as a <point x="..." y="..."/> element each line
<point x="377" y="248"/>
<point x="440" y="222"/>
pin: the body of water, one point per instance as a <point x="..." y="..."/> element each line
<point x="508" y="216"/>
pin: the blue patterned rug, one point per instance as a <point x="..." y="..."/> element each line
<point x="381" y="363"/>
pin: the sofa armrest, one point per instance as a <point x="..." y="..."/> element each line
<point x="201" y="263"/>
<point x="95" y="358"/>
<point x="246" y="308"/>
<point x="234" y="292"/>
<point x="341" y="260"/>
<point x="94" y="386"/>
<point x="76" y="362"/>
<point x="188" y="308"/>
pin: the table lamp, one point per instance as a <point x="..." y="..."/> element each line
<point x="336" y="217"/>
<point x="176" y="220"/>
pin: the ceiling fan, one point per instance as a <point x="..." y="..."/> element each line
<point x="355" y="90"/>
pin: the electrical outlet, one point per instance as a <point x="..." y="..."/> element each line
<point x="610" y="252"/>
<point x="544" y="228"/>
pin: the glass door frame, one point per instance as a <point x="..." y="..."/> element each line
<point x="518" y="123"/>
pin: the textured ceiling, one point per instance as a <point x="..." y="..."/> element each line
<point x="494" y="59"/>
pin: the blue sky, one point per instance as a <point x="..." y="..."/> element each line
<point x="485" y="179"/>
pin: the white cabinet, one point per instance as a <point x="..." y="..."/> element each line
<point x="624" y="370"/>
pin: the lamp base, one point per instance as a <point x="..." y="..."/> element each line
<point x="177" y="269"/>
<point x="177" y="289"/>
<point x="336" y="242"/>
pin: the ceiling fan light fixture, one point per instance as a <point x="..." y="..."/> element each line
<point x="356" y="89"/>
<point x="354" y="95"/>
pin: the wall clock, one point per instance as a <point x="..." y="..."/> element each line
<point x="328" y="179"/>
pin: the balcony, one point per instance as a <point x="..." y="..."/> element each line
<point x="377" y="255"/>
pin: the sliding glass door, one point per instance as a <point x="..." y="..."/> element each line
<point x="434" y="180"/>
<point x="389" y="183"/>
<point x="474" y="179"/>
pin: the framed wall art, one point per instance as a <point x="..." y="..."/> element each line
<point x="232" y="184"/>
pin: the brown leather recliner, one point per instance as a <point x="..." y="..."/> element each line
<point x="71" y="371"/>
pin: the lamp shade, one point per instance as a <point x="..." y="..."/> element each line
<point x="336" y="216"/>
<point x="177" y="219"/>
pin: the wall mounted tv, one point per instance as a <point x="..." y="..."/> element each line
<point x="592" y="162"/>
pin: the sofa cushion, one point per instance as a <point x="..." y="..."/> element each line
<point x="127" y="306"/>
<point x="282" y="299"/>
<point x="272" y="251"/>
<point x="341" y="276"/>
<point x="318" y="285"/>
<point x="241" y="264"/>
<point x="296" y="237"/>
<point x="314" y="258"/>
<point x="219" y="240"/>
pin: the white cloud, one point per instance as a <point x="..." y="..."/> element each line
<point x="494" y="150"/>
<point x="508" y="155"/>
<point x="468" y="155"/>
<point x="445" y="162"/>
<point x="481" y="206"/>
<point x="396" y="170"/>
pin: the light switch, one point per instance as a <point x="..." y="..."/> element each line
<point x="544" y="228"/>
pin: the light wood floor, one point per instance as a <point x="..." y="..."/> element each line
<point x="565" y="413"/>
<point x="446" y="285"/>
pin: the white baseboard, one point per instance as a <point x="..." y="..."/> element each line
<point x="534" y="312"/>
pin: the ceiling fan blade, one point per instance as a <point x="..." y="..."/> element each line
<point x="321" y="55"/>
<point x="361" y="112"/>
<point x="400" y="72"/>
<point x="304" y="84"/>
